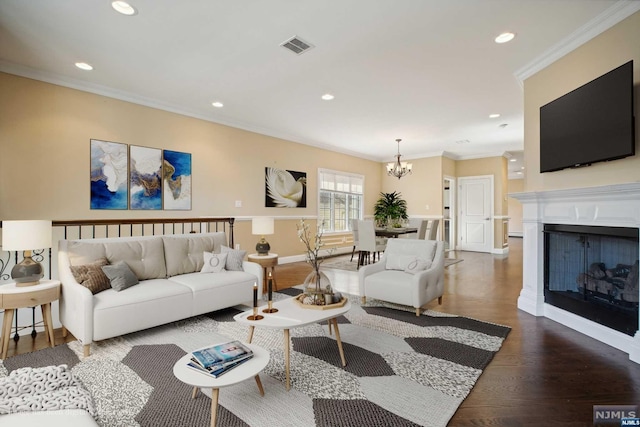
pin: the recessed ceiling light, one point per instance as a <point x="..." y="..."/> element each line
<point x="504" y="37"/>
<point x="217" y="104"/>
<point x="513" y="159"/>
<point x="84" y="66"/>
<point x="519" y="173"/>
<point x="327" y="97"/>
<point x="462" y="141"/>
<point x="124" y="8"/>
<point x="494" y="116"/>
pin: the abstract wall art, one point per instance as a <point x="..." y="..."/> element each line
<point x="145" y="178"/>
<point x="176" y="180"/>
<point x="109" y="177"/>
<point x="285" y="188"/>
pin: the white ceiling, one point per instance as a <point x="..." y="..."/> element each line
<point x="426" y="71"/>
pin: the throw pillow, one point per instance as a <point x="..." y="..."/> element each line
<point x="120" y="275"/>
<point x="91" y="276"/>
<point x="417" y="265"/>
<point x="213" y="263"/>
<point x="398" y="261"/>
<point x="234" y="258"/>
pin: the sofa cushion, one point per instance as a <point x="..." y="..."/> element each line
<point x="214" y="263"/>
<point x="120" y="275"/>
<point x="183" y="253"/>
<point x="91" y="275"/>
<point x="84" y="252"/>
<point x="145" y="257"/>
<point x="234" y="258"/>
<point x="398" y="261"/>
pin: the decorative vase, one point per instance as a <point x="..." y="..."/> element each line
<point x="315" y="284"/>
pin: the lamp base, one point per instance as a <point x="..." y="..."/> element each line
<point x="262" y="247"/>
<point x="27" y="273"/>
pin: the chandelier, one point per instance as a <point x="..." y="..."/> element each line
<point x="398" y="168"/>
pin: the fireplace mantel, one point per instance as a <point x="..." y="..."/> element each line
<point x="611" y="205"/>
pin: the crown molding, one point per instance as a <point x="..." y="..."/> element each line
<point x="617" y="12"/>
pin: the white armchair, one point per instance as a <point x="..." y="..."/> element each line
<point x="411" y="272"/>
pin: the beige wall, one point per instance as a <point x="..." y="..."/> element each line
<point x="45" y="131"/>
<point x="423" y="187"/>
<point x="515" y="207"/>
<point x="609" y="50"/>
<point x="44" y="160"/>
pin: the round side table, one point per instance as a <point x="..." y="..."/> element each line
<point x="13" y="297"/>
<point x="268" y="263"/>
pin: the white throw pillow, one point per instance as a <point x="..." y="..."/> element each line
<point x="398" y="261"/>
<point x="213" y="263"/>
<point x="417" y="265"/>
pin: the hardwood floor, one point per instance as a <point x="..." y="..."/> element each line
<point x="544" y="375"/>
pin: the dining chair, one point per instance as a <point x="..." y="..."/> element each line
<point x="354" y="230"/>
<point x="421" y="225"/>
<point x="369" y="243"/>
<point x="433" y="231"/>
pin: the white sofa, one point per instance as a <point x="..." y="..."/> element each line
<point x="171" y="286"/>
<point x="411" y="272"/>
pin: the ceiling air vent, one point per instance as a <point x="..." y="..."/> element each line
<point x="296" y="45"/>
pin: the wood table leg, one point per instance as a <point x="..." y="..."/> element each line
<point x="286" y="358"/>
<point x="335" y="327"/>
<point x="6" y="330"/>
<point x="251" y="328"/>
<point x="48" y="323"/>
<point x="194" y="393"/>
<point x="214" y="406"/>
<point x="259" y="383"/>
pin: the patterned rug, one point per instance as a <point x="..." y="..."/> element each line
<point x="343" y="263"/>
<point x="402" y="370"/>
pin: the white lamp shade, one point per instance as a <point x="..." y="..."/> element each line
<point x="262" y="225"/>
<point x="26" y="235"/>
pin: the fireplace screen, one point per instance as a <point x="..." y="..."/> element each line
<point x="593" y="272"/>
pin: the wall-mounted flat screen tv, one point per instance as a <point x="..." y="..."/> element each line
<point x="590" y="124"/>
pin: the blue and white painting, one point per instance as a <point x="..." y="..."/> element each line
<point x="145" y="178"/>
<point x="109" y="177"/>
<point x="176" y="177"/>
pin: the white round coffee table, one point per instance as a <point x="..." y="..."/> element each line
<point x="248" y="369"/>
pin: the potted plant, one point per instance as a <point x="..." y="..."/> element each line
<point x="390" y="210"/>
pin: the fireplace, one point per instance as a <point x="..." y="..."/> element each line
<point x="592" y="271"/>
<point x="586" y="304"/>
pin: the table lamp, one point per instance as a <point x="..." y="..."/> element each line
<point x="26" y="236"/>
<point x="262" y="226"/>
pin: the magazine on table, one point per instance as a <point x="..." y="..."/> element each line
<point x="216" y="372"/>
<point x="220" y="355"/>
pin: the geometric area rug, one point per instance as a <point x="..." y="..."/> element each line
<point x="402" y="370"/>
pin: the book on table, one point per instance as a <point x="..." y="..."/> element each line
<point x="220" y="355"/>
<point x="215" y="371"/>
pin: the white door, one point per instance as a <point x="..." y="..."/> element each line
<point x="476" y="212"/>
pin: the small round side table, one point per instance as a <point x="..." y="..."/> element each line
<point x="13" y="297"/>
<point x="268" y="263"/>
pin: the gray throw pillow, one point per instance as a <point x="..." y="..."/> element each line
<point x="234" y="258"/>
<point x="120" y="275"/>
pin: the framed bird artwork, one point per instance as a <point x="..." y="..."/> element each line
<point x="285" y="188"/>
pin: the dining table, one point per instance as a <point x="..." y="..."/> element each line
<point x="394" y="232"/>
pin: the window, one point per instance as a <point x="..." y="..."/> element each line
<point x="340" y="199"/>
